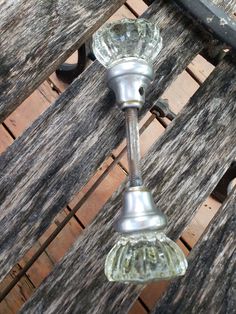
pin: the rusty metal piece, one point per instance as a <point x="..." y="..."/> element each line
<point x="162" y="110"/>
<point x="68" y="72"/>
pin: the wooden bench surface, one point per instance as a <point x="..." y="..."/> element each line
<point x="72" y="129"/>
<point x="44" y="168"/>
<point x="193" y="170"/>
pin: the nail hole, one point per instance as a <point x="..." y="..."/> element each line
<point x="141" y="91"/>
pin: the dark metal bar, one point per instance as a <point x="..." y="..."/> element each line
<point x="68" y="72"/>
<point x="162" y="122"/>
<point x="223" y="188"/>
<point x="214" y="19"/>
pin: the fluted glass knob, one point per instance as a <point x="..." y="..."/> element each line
<point x="144" y="257"/>
<point x="139" y="39"/>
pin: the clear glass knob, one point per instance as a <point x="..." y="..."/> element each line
<point x="139" y="39"/>
<point x="144" y="257"/>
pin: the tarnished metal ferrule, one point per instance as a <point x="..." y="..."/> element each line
<point x="129" y="80"/>
<point x="139" y="212"/>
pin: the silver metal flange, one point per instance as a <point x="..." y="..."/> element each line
<point x="129" y="80"/>
<point x="139" y="212"/>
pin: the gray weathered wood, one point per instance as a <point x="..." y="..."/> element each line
<point x="210" y="282"/>
<point x="229" y="6"/>
<point x="36" y="36"/>
<point x="55" y="157"/>
<point x="181" y="170"/>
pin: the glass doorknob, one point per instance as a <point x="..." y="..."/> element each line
<point x="143" y="252"/>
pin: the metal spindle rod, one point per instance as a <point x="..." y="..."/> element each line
<point x="133" y="147"/>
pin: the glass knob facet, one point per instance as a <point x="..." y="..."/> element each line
<point x="144" y="257"/>
<point x="138" y="39"/>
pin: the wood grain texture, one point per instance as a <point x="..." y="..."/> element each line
<point x="210" y="281"/>
<point x="229" y="6"/>
<point x="21" y="118"/>
<point x="137" y="308"/>
<point x="137" y="6"/>
<point x="200" y="68"/>
<point x="88" y="211"/>
<point x="37" y="36"/>
<point x="56" y="156"/>
<point x="64" y="240"/>
<point x="200" y="221"/>
<point x="181" y="170"/>
<point x="18" y="295"/>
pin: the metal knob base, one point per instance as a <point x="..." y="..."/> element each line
<point x="129" y="80"/>
<point x="139" y="212"/>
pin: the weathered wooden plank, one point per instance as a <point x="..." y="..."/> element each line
<point x="228" y="6"/>
<point x="30" y="109"/>
<point x="102" y="193"/>
<point x="182" y="88"/>
<point x="37" y="36"/>
<point x="178" y="94"/>
<point x="18" y="295"/>
<point x="209" y="284"/>
<point x="181" y="170"/>
<point x="64" y="240"/>
<point x="57" y="155"/>
<point x="200" y="69"/>
<point x="137" y="308"/>
<point x="137" y="6"/>
<point x="53" y="253"/>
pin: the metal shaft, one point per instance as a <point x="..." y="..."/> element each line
<point x="133" y="147"/>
